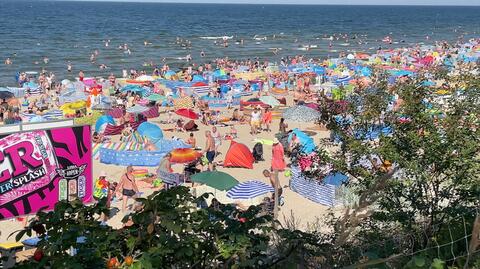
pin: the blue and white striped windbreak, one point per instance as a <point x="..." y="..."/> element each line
<point x="249" y="189"/>
<point x="53" y="115"/>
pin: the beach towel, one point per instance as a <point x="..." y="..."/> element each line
<point x="151" y="113"/>
<point x="116" y="113"/>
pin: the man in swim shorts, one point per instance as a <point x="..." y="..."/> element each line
<point x="209" y="149"/>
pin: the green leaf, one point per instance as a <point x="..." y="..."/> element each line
<point x="419" y="261"/>
<point x="437" y="264"/>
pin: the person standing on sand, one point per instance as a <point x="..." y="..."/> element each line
<point x="278" y="190"/>
<point x="217" y="138"/>
<point x="282" y="128"/>
<point x="278" y="157"/>
<point x="255" y="121"/>
<point x="267" y="119"/>
<point x="209" y="149"/>
<point x="128" y="186"/>
<point x="192" y="141"/>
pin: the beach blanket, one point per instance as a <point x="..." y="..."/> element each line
<point x="263" y="141"/>
<point x="116" y="112"/>
<point x="131" y="145"/>
<point x="128" y="157"/>
<point x="117" y="129"/>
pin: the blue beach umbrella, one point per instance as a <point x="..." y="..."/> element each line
<point x="150" y="130"/>
<point x="102" y="122"/>
<point x="249" y="189"/>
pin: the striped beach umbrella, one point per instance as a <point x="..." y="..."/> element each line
<point x="249" y="189"/>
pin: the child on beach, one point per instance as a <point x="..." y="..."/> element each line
<point x="267" y="119"/>
<point x="192" y="141"/>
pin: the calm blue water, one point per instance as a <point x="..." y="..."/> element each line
<point x="71" y="31"/>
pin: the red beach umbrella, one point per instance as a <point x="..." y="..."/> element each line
<point x="187" y="113"/>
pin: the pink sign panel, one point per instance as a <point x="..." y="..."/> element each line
<point x="39" y="168"/>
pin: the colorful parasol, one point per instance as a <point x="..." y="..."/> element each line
<point x="187" y="113"/>
<point x="217" y="180"/>
<point x="186" y="155"/>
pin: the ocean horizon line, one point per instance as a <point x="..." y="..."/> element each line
<point x="250" y="4"/>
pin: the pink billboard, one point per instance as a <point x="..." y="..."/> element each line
<point x="39" y="168"/>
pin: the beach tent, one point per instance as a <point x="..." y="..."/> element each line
<point x="306" y="142"/>
<point x="102" y="123"/>
<point x="151" y="131"/>
<point x="239" y="155"/>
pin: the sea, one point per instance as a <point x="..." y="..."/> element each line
<point x="165" y="33"/>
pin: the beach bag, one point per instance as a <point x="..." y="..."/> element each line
<point x="258" y="152"/>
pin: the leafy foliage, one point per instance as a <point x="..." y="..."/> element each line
<point x="417" y="182"/>
<point x="168" y="230"/>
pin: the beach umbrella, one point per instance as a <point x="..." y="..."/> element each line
<point x="187" y="113"/>
<point x="150" y="130"/>
<point x="169" y="74"/>
<point x="133" y="88"/>
<point x="185" y="155"/>
<point x="249" y="189"/>
<point x="102" y="122"/>
<point x="217" y="180"/>
<point x="156" y="97"/>
<point x="270" y="100"/>
<point x="137" y="109"/>
<point x="301" y="114"/>
<point x="6" y="95"/>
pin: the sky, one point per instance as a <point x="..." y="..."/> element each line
<point x="320" y="2"/>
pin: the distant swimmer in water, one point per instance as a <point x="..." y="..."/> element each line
<point x="188" y="58"/>
<point x="8" y="61"/>
<point x="69" y="67"/>
<point x="107" y="43"/>
<point x="202" y="54"/>
<point x="92" y="58"/>
<point x="103" y="66"/>
<point x="45" y="60"/>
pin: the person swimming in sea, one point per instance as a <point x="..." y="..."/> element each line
<point x="8" y="61"/>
